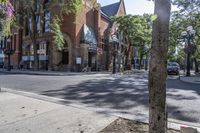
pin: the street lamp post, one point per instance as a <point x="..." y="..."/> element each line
<point x="188" y="35"/>
<point x="8" y="51"/>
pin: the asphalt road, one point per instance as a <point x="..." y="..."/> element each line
<point x="122" y="95"/>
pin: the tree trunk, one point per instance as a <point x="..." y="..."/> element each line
<point x="196" y="65"/>
<point x="127" y="55"/>
<point x="158" y="68"/>
<point x="140" y="61"/>
<point x="34" y="41"/>
<point x="36" y="62"/>
<point x="141" y="57"/>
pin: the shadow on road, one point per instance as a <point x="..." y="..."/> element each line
<point x="125" y="94"/>
<point x="113" y="93"/>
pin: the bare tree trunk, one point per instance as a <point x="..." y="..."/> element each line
<point x="128" y="55"/>
<point x="158" y="68"/>
<point x="141" y="56"/>
<point x="140" y="61"/>
<point x="196" y="65"/>
<point x="34" y="41"/>
<point x="36" y="63"/>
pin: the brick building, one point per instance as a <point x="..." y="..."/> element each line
<point x="86" y="40"/>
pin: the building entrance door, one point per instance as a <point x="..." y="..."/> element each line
<point x="89" y="59"/>
<point x="92" y="61"/>
<point x="65" y="57"/>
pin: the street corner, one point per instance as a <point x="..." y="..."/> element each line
<point x="24" y="114"/>
<point x="17" y="107"/>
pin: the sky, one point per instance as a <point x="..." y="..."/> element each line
<point x="134" y="7"/>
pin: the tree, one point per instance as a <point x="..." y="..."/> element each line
<point x="158" y="68"/>
<point x="137" y="32"/>
<point x="190" y="13"/>
<point x="143" y="40"/>
<point x="29" y="11"/>
<point x="6" y="17"/>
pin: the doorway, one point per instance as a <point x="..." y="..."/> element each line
<point x="65" y="57"/>
<point x="92" y="61"/>
<point x="65" y="54"/>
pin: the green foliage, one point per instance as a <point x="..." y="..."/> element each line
<point x="7" y="24"/>
<point x="138" y="32"/>
<point x="58" y="36"/>
<point x="153" y="17"/>
<point x="30" y="9"/>
<point x="71" y="6"/>
<point x="137" y="29"/>
<point x="6" y="17"/>
<point x="189" y="14"/>
<point x="3" y="1"/>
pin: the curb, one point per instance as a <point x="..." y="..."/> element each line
<point x="32" y="73"/>
<point x="51" y="74"/>
<point x="190" y="82"/>
<point x="172" y="123"/>
<point x="69" y="73"/>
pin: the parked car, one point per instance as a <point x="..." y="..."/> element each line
<point x="173" y="68"/>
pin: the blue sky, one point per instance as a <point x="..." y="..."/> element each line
<point x="134" y="6"/>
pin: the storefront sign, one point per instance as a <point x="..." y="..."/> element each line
<point x="41" y="51"/>
<point x="78" y="60"/>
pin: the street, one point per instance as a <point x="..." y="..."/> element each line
<point x="124" y="95"/>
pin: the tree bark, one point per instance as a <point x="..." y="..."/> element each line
<point x="196" y="65"/>
<point x="141" y="56"/>
<point x="158" y="68"/>
<point x="127" y="59"/>
<point x="34" y="41"/>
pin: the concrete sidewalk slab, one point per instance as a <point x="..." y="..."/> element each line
<point x="172" y="123"/>
<point x="24" y="114"/>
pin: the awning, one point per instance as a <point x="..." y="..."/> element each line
<point x="88" y="36"/>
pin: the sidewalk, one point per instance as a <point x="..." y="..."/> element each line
<point x="48" y="73"/>
<point x="194" y="78"/>
<point x="24" y="114"/>
<point x="63" y="73"/>
<point x="27" y="112"/>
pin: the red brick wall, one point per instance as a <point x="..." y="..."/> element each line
<point x="104" y="25"/>
<point x="87" y="16"/>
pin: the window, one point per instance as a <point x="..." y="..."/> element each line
<point x="28" y="26"/>
<point x="38" y="23"/>
<point x="42" y="46"/>
<point x="47" y="17"/>
<point x="30" y="23"/>
<point x="31" y="50"/>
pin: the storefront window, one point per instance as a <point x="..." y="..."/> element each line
<point x="38" y="23"/>
<point x="47" y="17"/>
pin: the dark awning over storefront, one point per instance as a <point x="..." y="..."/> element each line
<point x="88" y="36"/>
